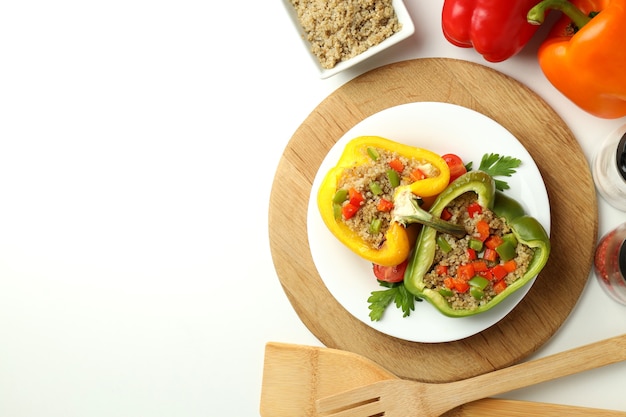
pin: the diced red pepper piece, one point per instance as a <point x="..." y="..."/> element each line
<point x="384" y="205"/>
<point x="480" y="266"/>
<point x="396" y="165"/>
<point x="446" y="214"/>
<point x="498" y="272"/>
<point x="493" y="241"/>
<point x="448" y="282"/>
<point x="482" y="230"/>
<point x="510" y="266"/>
<point x="417" y="174"/>
<point x="355" y="197"/>
<point x="474" y="209"/>
<point x="461" y="286"/>
<point x="490" y="255"/>
<point x="499" y="286"/>
<point x="349" y="210"/>
<point x="486" y="274"/>
<point x="471" y="254"/>
<point x="465" y="272"/>
<point x="441" y="270"/>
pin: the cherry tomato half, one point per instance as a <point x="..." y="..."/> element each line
<point x="390" y="273"/>
<point x="457" y="168"/>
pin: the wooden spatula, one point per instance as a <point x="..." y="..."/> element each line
<point x="393" y="398"/>
<point x="295" y="376"/>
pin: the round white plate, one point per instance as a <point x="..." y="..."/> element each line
<point x="442" y="128"/>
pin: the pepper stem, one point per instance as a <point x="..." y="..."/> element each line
<point x="537" y="14"/>
<point x="408" y="211"/>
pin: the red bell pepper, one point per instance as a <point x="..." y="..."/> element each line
<point x="496" y="29"/>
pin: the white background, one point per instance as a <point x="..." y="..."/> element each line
<point x="138" y="145"/>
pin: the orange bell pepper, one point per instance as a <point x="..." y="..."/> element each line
<point x="584" y="55"/>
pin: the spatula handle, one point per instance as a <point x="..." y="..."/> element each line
<point x="495" y="407"/>
<point x="584" y="358"/>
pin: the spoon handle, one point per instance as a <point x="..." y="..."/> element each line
<point x="569" y="362"/>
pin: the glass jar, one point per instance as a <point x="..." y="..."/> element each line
<point x="609" y="169"/>
<point x="610" y="263"/>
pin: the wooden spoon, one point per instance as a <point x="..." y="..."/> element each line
<point x="295" y="376"/>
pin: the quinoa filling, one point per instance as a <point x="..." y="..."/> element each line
<point x="456" y="253"/>
<point x="373" y="182"/>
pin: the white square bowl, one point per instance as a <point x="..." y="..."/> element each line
<point x="406" y="30"/>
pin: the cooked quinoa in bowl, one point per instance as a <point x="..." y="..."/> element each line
<point x="341" y="33"/>
<point x="339" y="30"/>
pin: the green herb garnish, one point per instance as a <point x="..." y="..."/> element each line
<point x="496" y="165"/>
<point x="395" y="292"/>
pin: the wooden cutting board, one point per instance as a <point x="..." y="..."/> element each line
<point x="546" y="137"/>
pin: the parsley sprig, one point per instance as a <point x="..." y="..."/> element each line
<point x="498" y="166"/>
<point x="397" y="293"/>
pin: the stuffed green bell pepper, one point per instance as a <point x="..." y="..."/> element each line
<point x="503" y="249"/>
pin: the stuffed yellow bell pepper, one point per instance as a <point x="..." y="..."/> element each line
<point x="355" y="198"/>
